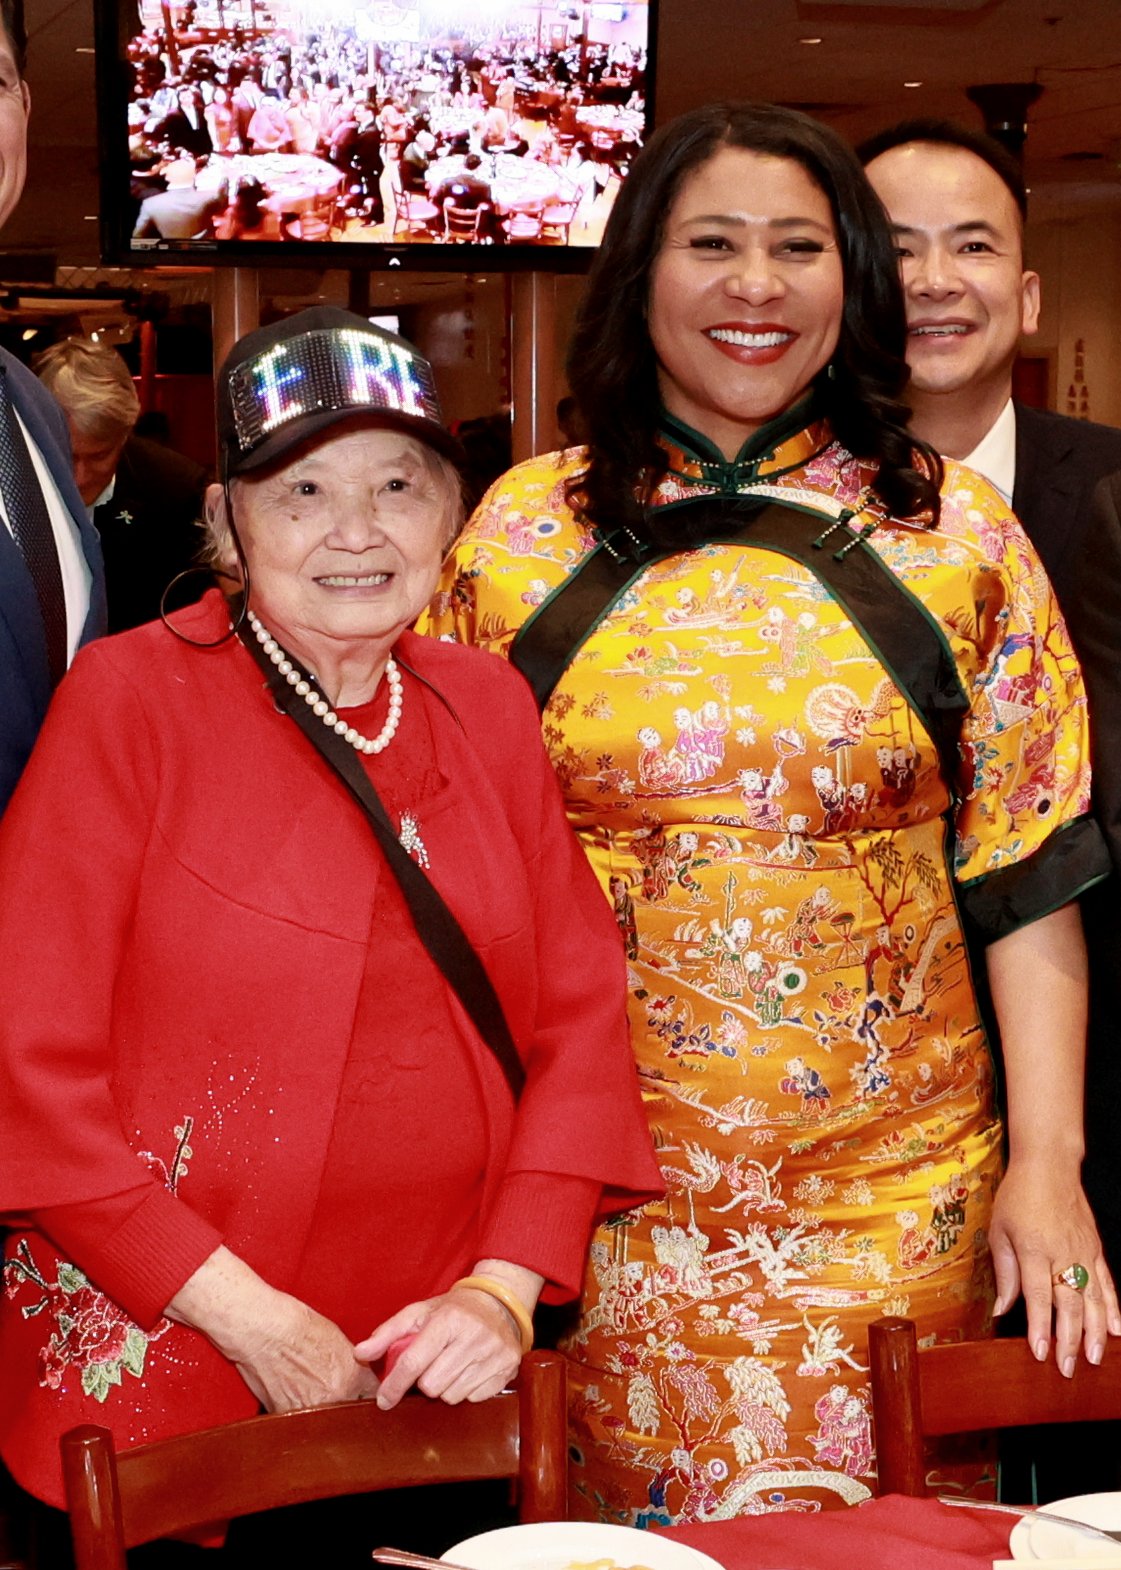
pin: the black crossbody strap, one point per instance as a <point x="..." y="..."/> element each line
<point x="905" y="637"/>
<point x="544" y="646"/>
<point x="436" y="925"/>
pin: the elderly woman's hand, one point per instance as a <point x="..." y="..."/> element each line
<point x="289" y="1355"/>
<point x="299" y="1358"/>
<point x="462" y="1346"/>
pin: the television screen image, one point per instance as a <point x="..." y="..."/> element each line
<point x="379" y="128"/>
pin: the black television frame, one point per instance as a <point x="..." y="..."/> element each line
<point x="113" y="29"/>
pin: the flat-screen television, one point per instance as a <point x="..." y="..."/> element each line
<point x="433" y="134"/>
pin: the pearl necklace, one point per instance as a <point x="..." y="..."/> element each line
<point x="319" y="705"/>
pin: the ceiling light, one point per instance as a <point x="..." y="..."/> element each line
<point x="809" y="40"/>
<point x="912" y="84"/>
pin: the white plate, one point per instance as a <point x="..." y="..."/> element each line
<point x="554" y="1545"/>
<point x="1037" y="1538"/>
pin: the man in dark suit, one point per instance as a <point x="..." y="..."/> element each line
<point x="364" y="155"/>
<point x="957" y="204"/>
<point x="185" y="127"/>
<point x="145" y="499"/>
<point x="52" y="591"/>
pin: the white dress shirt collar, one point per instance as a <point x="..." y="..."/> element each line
<point x="995" y="454"/>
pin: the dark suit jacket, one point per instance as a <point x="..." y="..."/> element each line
<point x="1059" y="461"/>
<point x="1076" y="528"/>
<point x="178" y="131"/>
<point x="25" y="687"/>
<point x="149" y="532"/>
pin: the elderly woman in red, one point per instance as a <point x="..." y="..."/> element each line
<point x="253" y="1134"/>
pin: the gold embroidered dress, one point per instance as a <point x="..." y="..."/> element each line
<point x="766" y="813"/>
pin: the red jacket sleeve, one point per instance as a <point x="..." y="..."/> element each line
<point x="71" y="847"/>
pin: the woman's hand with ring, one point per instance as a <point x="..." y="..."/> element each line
<point x="1039" y="1227"/>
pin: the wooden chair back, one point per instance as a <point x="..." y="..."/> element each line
<point x="558" y="216"/>
<point x="316" y="222"/>
<point x="462" y="223"/>
<point x="411" y="208"/>
<point x="117" y="1500"/>
<point x="526" y="223"/>
<point x="968" y="1386"/>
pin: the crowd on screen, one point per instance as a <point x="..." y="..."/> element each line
<point x="363" y="109"/>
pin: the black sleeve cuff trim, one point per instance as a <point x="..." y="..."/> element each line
<point x="1074" y="858"/>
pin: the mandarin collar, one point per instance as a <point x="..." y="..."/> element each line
<point x="785" y="443"/>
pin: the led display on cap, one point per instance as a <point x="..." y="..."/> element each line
<point x="336" y="368"/>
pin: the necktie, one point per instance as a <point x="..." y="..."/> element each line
<point x="31" y="527"/>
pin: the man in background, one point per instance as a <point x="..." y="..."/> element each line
<point x="182" y="211"/>
<point x="145" y="499"/>
<point x="467" y="188"/>
<point x="957" y="204"/>
<point x="52" y="591"/>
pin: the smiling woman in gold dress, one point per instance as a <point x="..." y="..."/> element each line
<point x="816" y="719"/>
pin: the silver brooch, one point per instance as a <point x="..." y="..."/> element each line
<point x="411" y="840"/>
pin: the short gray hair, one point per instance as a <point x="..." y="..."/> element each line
<point x="446" y="478"/>
<point x="93" y="385"/>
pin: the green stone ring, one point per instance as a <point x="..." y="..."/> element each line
<point x="1077" y="1277"/>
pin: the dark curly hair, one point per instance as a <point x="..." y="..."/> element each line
<point x="612" y="369"/>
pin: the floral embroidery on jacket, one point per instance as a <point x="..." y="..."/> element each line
<point x="89" y="1331"/>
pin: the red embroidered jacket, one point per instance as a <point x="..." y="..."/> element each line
<point x="200" y="998"/>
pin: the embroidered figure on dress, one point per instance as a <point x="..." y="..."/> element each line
<point x="915" y="1246"/>
<point x="947" y="1220"/>
<point x="711" y="726"/>
<point x="852" y="810"/>
<point x="797" y="640"/>
<point x="804" y="930"/>
<point x="622" y="902"/>
<point x="1035" y="795"/>
<point x="898" y="771"/>
<point x="801" y="1080"/>
<point x="760" y="793"/>
<point x="795" y="843"/>
<point x="844" y="1438"/>
<point x="720" y="604"/>
<point x="699" y="747"/>
<point x="729" y="944"/>
<point x="893" y="950"/>
<point x="535" y="592"/>
<point x="685" y="857"/>
<point x="832" y="796"/>
<point x="657" y="770"/>
<point x="657" y="860"/>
